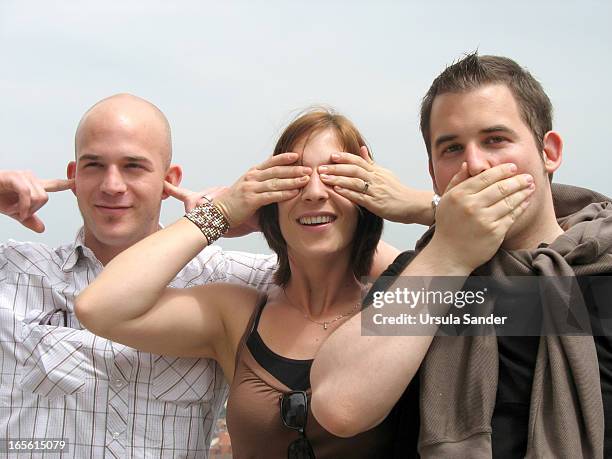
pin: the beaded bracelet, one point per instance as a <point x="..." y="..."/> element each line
<point x="210" y="220"/>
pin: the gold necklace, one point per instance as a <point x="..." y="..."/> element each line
<point x="327" y="323"/>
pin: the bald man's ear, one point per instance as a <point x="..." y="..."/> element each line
<point x="71" y="174"/>
<point x="174" y="175"/>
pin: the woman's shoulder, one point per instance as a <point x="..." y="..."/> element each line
<point x="231" y="300"/>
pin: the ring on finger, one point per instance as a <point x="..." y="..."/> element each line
<point x="366" y="185"/>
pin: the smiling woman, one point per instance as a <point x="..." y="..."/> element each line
<point x="264" y="341"/>
<point x="316" y="135"/>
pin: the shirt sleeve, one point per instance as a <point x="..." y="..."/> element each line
<point x="214" y="264"/>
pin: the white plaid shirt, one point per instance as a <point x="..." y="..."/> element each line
<point x="106" y="400"/>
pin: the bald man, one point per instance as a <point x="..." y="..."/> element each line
<point x="60" y="382"/>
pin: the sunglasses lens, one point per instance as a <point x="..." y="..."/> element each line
<point x="300" y="449"/>
<point x="293" y="410"/>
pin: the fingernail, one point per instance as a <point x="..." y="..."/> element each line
<point x="305" y="178"/>
<point x="512" y="168"/>
<point x="531" y="187"/>
<point x="335" y="156"/>
<point x="323" y="168"/>
<point x="306" y="170"/>
<point x="324" y="176"/>
<point x="528" y="178"/>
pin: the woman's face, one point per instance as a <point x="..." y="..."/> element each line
<point x="318" y="221"/>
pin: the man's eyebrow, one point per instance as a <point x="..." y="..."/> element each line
<point x="498" y="128"/>
<point x="89" y="157"/>
<point x="137" y="159"/>
<point x="445" y="138"/>
<point x="129" y="159"/>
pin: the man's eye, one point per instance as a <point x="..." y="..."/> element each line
<point x="495" y="139"/>
<point x="93" y="165"/>
<point x="134" y="166"/>
<point x="453" y="148"/>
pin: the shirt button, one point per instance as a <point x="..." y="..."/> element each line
<point x="116" y="435"/>
<point x="118" y="383"/>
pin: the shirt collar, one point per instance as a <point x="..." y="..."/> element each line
<point x="79" y="249"/>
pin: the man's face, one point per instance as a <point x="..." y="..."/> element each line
<point x="119" y="175"/>
<point x="484" y="128"/>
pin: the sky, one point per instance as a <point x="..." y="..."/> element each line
<point x="231" y="75"/>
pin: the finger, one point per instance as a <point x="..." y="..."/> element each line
<point x="481" y="181"/>
<point x="511" y="203"/>
<point x="353" y="184"/>
<point x="39" y="196"/>
<point x="13" y="211"/>
<point x="461" y="176"/>
<point x="282" y="159"/>
<point x="283" y="172"/>
<point x="279" y="184"/>
<point x="365" y="154"/>
<point x="504" y="188"/>
<point x="176" y="192"/>
<point x="53" y="185"/>
<point x="354" y="196"/>
<point x="508" y="220"/>
<point x="269" y="197"/>
<point x="34" y="223"/>
<point x="25" y="200"/>
<point x="347" y="170"/>
<point x="342" y="157"/>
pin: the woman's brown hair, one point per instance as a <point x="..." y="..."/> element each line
<point x="369" y="226"/>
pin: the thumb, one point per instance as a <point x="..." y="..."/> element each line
<point x="34" y="223"/>
<point x="459" y="177"/>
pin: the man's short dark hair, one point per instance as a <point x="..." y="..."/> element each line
<point x="474" y="71"/>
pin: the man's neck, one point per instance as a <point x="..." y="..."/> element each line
<point x="544" y="229"/>
<point x="106" y="252"/>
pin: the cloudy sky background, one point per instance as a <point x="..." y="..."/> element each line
<point x="230" y="75"/>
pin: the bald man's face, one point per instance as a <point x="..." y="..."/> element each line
<point x="121" y="164"/>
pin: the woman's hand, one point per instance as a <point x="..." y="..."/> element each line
<point x="361" y="180"/>
<point x="275" y="180"/>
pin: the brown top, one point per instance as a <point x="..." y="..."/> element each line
<point x="254" y="422"/>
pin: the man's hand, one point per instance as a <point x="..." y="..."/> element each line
<point x="475" y="214"/>
<point x="191" y="199"/>
<point x="22" y="194"/>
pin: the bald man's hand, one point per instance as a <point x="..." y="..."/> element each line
<point x="22" y="194"/>
<point x="191" y="199"/>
